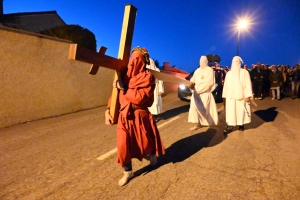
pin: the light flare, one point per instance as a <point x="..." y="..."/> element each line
<point x="243" y="24"/>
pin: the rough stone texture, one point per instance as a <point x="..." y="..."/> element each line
<point x="38" y="81"/>
<point x="55" y="158"/>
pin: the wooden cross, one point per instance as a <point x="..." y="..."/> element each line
<point x="119" y="64"/>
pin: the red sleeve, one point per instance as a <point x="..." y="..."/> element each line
<point x="140" y="89"/>
<point x="140" y="96"/>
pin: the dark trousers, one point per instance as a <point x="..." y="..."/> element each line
<point x="257" y="88"/>
<point x="128" y="167"/>
<point x="266" y="88"/>
<point x="295" y="88"/>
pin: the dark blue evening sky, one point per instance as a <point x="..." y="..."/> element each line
<point x="180" y="31"/>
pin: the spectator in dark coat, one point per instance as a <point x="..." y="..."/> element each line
<point x="283" y="83"/>
<point x="295" y="81"/>
<point x="266" y="81"/>
<point x="219" y="77"/>
<point x="276" y="79"/>
<point x="257" y="77"/>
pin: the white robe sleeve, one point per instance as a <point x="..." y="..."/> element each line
<point x="225" y="86"/>
<point x="193" y="78"/>
<point x="160" y="86"/>
<point x="247" y="85"/>
<point x="205" y="82"/>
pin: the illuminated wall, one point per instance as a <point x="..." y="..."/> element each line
<point x="38" y="81"/>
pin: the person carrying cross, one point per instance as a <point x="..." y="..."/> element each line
<point x="137" y="133"/>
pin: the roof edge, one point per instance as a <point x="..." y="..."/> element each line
<point x="34" y="34"/>
<point x="31" y="13"/>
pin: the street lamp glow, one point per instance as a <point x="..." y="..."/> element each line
<point x="242" y="24"/>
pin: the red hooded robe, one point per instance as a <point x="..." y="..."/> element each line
<point x="137" y="133"/>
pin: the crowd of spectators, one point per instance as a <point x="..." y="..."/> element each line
<point x="279" y="81"/>
<point x="275" y="81"/>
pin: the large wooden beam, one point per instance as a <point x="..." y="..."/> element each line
<point x="124" y="53"/>
<point x="169" y="78"/>
<point x="97" y="59"/>
<point x="94" y="68"/>
<point x="119" y="64"/>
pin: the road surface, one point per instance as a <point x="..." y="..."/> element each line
<point x="74" y="157"/>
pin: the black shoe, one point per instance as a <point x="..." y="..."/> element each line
<point x="157" y="120"/>
<point x="228" y="129"/>
<point x="241" y="128"/>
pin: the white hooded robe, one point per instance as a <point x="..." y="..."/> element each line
<point x="156" y="107"/>
<point x="237" y="87"/>
<point x="203" y="108"/>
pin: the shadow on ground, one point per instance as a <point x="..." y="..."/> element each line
<point x="174" y="112"/>
<point x="267" y="115"/>
<point x="185" y="148"/>
<point x="260" y="117"/>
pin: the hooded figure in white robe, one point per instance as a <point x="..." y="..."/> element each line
<point x="156" y="107"/>
<point x="203" y="108"/>
<point x="237" y="91"/>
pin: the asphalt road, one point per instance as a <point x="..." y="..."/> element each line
<point x="73" y="157"/>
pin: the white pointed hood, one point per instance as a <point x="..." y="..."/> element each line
<point x="203" y="62"/>
<point x="236" y="85"/>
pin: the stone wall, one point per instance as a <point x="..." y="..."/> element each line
<point x="38" y="81"/>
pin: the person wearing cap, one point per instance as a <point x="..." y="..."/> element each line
<point x="203" y="108"/>
<point x="237" y="92"/>
<point x="137" y="133"/>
